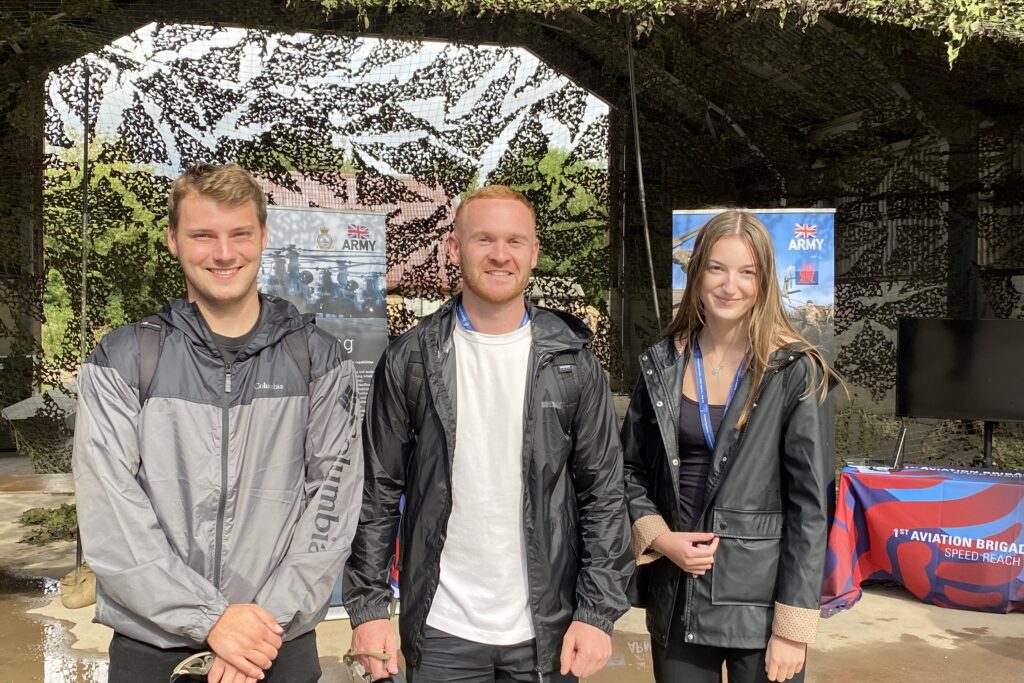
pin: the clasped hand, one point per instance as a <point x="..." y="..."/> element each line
<point x="246" y="639"/>
<point x="691" y="552"/>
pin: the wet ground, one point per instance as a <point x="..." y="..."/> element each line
<point x="39" y="649"/>
<point x="887" y="636"/>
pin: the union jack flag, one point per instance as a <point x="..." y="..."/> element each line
<point x="806" y="231"/>
<point x="358" y="232"/>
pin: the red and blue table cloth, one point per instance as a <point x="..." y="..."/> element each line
<point x="952" y="537"/>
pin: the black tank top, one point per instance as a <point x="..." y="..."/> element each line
<point x="694" y="458"/>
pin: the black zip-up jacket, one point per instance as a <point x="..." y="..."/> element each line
<point x="767" y="498"/>
<point x="577" y="533"/>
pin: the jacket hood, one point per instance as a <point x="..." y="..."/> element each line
<point x="558" y="330"/>
<point x="553" y="331"/>
<point x="277" y="318"/>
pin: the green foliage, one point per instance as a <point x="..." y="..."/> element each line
<point x="956" y="20"/>
<point x="129" y="272"/>
<point x="569" y="195"/>
<point x="49" y="524"/>
<point x="57" y="313"/>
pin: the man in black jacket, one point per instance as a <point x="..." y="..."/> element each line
<point x="515" y="543"/>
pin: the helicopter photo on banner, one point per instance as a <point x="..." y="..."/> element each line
<point x="332" y="263"/>
<point x="804" y="241"/>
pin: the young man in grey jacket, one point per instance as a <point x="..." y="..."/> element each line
<point x="495" y="421"/>
<point x="218" y="492"/>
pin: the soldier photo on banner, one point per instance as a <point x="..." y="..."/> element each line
<point x="332" y="263"/>
<point x="804" y="241"/>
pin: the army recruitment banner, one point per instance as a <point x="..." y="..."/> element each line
<point x="332" y="264"/>
<point x="804" y="241"/>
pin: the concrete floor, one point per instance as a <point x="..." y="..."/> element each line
<point x="888" y="636"/>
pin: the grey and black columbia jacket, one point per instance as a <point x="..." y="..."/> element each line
<point x="233" y="483"/>
<point x="577" y="533"/>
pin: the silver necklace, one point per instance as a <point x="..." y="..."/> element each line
<point x="721" y="363"/>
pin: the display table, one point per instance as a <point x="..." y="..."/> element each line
<point x="952" y="537"/>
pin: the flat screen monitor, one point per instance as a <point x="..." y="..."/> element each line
<point x="960" y="369"/>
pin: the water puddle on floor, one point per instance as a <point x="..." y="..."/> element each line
<point x="36" y="648"/>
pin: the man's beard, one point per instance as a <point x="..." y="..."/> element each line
<point x="487" y="296"/>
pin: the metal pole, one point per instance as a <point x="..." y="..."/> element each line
<point x="987" y="447"/>
<point x="623" y="336"/>
<point x="640" y="169"/>
<point x="85" y="212"/>
<point x="83" y="327"/>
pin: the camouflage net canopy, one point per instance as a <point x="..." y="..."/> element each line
<point x="857" y="105"/>
<point x="396" y="127"/>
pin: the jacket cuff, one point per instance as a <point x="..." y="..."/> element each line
<point x="594" y="619"/>
<point x="642" y="534"/>
<point x="199" y="628"/>
<point x="796" y="623"/>
<point x="362" y="615"/>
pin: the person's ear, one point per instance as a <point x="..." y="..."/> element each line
<point x="454" y="255"/>
<point x="172" y="240"/>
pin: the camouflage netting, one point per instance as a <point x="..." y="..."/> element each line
<point x="905" y="117"/>
<point x="45" y="436"/>
<point x="393" y="127"/>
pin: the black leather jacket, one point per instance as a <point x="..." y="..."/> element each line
<point x="767" y="498"/>
<point x="577" y="533"/>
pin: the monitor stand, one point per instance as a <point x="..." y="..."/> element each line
<point x="897" y="457"/>
<point x="987" y="462"/>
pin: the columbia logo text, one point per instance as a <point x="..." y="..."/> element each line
<point x="325" y="512"/>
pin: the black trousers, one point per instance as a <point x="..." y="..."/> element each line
<point x="445" y="658"/>
<point x="132" y="661"/>
<point x="682" y="662"/>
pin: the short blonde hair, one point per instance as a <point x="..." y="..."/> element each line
<point x="495" y="192"/>
<point x="227" y="184"/>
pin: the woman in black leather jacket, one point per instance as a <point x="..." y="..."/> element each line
<point x="729" y="470"/>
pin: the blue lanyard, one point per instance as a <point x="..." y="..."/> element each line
<point x="702" y="396"/>
<point x="464" y="319"/>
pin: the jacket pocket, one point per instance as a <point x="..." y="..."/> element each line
<point x="553" y="414"/>
<point x="747" y="559"/>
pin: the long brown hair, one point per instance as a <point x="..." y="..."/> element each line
<point x="769" y="327"/>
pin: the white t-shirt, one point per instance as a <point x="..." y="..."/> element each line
<point x="482" y="594"/>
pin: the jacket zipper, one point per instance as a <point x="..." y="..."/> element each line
<point x="528" y="399"/>
<point x="673" y="474"/>
<point x="222" y="503"/>
<point x="449" y="447"/>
